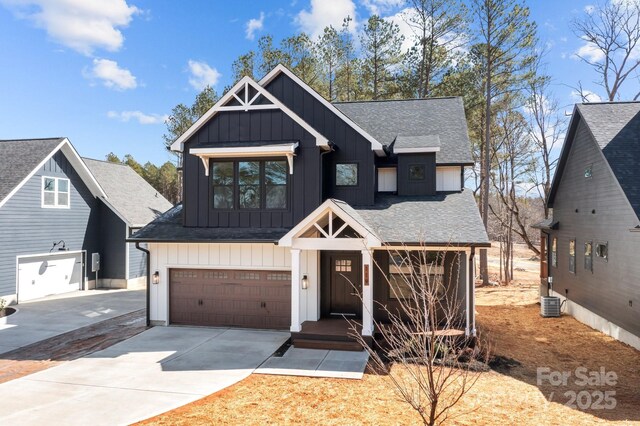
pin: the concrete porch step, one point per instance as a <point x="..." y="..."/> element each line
<point x="340" y="345"/>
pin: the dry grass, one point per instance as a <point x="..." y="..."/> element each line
<point x="506" y="396"/>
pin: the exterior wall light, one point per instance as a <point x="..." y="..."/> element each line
<point x="155" y="278"/>
<point x="305" y="282"/>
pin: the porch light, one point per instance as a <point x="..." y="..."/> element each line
<point x="155" y="278"/>
<point x="305" y="282"/>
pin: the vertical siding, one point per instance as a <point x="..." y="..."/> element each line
<point x="112" y="241"/>
<point x="27" y="228"/>
<point x="421" y="187"/>
<point x="595" y="209"/>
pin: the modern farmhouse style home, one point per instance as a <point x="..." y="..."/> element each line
<point x="289" y="201"/>
<point x="589" y="245"/>
<point x="58" y="210"/>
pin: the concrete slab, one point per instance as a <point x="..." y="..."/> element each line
<point x="44" y="318"/>
<point x="317" y="363"/>
<point x="153" y="372"/>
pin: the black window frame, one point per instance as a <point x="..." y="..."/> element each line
<point x="588" y="258"/>
<point x="347" y="163"/>
<point x="597" y="251"/>
<point x="262" y="184"/>
<point x="572" y="258"/>
<point x="424" y="172"/>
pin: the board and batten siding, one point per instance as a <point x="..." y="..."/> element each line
<point x="27" y="228"/>
<point x="426" y="186"/>
<point x="229" y="256"/>
<point x="595" y="209"/>
<point x="349" y="145"/>
<point x="112" y="240"/>
<point x="305" y="185"/>
<point x="449" y="178"/>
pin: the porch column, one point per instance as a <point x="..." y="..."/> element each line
<point x="470" y="329"/>
<point x="295" y="290"/>
<point x="367" y="293"/>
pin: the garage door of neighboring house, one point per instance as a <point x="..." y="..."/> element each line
<point x="48" y="274"/>
<point x="230" y="298"/>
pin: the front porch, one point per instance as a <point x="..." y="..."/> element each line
<point x="329" y="333"/>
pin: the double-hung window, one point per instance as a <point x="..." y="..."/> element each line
<point x="55" y="192"/>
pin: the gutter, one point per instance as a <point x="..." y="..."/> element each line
<point x="148" y="281"/>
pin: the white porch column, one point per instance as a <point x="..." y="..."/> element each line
<point x="470" y="329"/>
<point x="367" y="293"/>
<point x="295" y="290"/>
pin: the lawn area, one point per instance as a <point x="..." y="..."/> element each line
<point x="507" y="395"/>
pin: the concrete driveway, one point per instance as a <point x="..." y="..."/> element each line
<point x="148" y="374"/>
<point x="44" y="318"/>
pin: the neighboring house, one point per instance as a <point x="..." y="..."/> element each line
<point x="288" y="198"/>
<point x="57" y="210"/>
<point x="590" y="243"/>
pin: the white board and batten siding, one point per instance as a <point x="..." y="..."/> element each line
<point x="448" y="178"/>
<point x="240" y="256"/>
<point x="387" y="179"/>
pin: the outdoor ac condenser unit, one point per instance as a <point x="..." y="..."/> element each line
<point x="550" y="306"/>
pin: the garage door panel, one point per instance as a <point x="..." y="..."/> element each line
<point x="227" y="298"/>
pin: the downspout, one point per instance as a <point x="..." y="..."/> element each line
<point x="471" y="316"/>
<point x="148" y="281"/>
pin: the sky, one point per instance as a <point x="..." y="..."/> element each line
<point x="106" y="73"/>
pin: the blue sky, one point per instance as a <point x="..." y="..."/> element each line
<point x="105" y="73"/>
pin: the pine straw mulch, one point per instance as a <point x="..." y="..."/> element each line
<point x="507" y="395"/>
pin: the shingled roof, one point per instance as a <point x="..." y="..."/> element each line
<point x="615" y="127"/>
<point x="128" y="193"/>
<point x="441" y="117"/>
<point x="19" y="157"/>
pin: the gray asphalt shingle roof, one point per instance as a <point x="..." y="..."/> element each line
<point x="442" y="219"/>
<point x="134" y="199"/>
<point x="20" y="157"/>
<point x="442" y="117"/>
<point x="168" y="228"/>
<point x="417" y="141"/>
<point x="616" y="128"/>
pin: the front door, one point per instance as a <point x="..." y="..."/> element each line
<point x="341" y="284"/>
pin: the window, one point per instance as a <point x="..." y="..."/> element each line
<point x="416" y="172"/>
<point x="588" y="256"/>
<point x="347" y="174"/>
<point x="572" y="256"/>
<point x="588" y="171"/>
<point x="55" y="192"/>
<point x="405" y="271"/>
<point x="249" y="184"/>
<point x="554" y="252"/>
<point x="602" y="250"/>
<point x="222" y="178"/>
<point x="275" y="175"/>
<point x="343" y="265"/>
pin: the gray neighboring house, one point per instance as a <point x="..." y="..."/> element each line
<point x="57" y="210"/>
<point x="590" y="243"/>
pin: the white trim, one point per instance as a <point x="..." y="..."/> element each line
<point x="416" y="150"/>
<point x="597" y="322"/>
<point x="334" y="244"/>
<point x="219" y="106"/>
<point x="126" y="253"/>
<point x="117" y="213"/>
<point x="367" y="294"/>
<point x="287" y="150"/>
<point x="295" y="290"/>
<point x="53" y="253"/>
<point x="375" y="144"/>
<point x="55" y="192"/>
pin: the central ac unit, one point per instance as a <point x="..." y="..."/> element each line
<point x="550" y="306"/>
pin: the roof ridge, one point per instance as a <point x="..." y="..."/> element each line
<point x="609" y="103"/>
<point x="106" y="162"/>
<point x="435" y="98"/>
<point x="33" y="139"/>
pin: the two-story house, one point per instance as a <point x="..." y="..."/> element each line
<point x="589" y="243"/>
<point x="289" y="201"/>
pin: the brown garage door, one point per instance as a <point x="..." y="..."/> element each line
<point x="254" y="299"/>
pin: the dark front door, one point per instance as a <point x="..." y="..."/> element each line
<point x="341" y="284"/>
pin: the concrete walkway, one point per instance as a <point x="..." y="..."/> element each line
<point x="44" y="318"/>
<point x="317" y="363"/>
<point x="156" y="371"/>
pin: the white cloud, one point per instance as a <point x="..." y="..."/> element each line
<point x="324" y="13"/>
<point x="588" y="96"/>
<point x="141" y="117"/>
<point x="589" y="8"/>
<point x="590" y="52"/>
<point x="254" y="25"/>
<point x="202" y="75"/>
<point x="379" y="7"/>
<point x="401" y="20"/>
<point x="82" y="25"/>
<point x="112" y="75"/>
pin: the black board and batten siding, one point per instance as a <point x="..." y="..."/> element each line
<point x="426" y="186"/>
<point x="350" y="146"/>
<point x="595" y="209"/>
<point x="112" y="237"/>
<point x="271" y="126"/>
<point x="28" y="229"/>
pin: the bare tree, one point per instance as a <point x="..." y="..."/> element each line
<point x="423" y="352"/>
<point x="611" y="32"/>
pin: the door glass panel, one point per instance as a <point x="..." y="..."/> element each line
<point x="343" y="265"/>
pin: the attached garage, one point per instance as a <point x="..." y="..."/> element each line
<point x="230" y="298"/>
<point x="46" y="274"/>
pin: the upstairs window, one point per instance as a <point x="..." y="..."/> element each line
<point x="602" y="250"/>
<point x="55" y="192"/>
<point x="416" y="172"/>
<point x="572" y="256"/>
<point x="588" y="256"/>
<point x="347" y="174"/>
<point x="554" y="252"/>
<point x="249" y="184"/>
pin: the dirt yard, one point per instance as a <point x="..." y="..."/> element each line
<point x="510" y="394"/>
